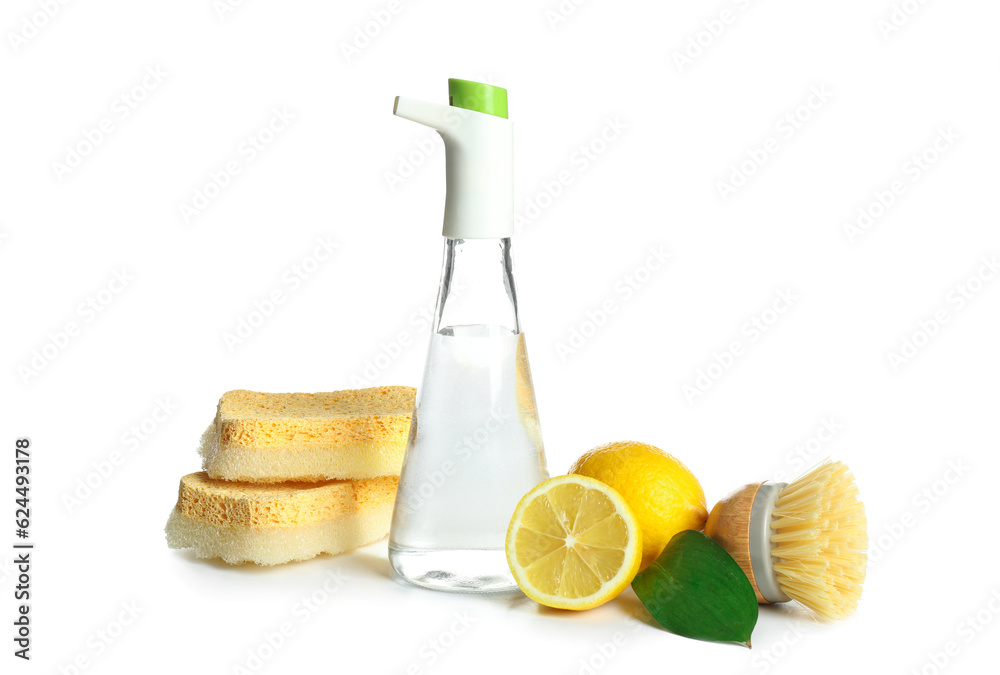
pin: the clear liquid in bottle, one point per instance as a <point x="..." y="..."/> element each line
<point x="475" y="444"/>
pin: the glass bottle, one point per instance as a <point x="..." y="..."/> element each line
<point x="475" y="445"/>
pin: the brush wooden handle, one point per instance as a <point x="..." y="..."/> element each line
<point x="729" y="525"/>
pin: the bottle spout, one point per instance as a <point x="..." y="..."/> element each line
<point x="433" y="115"/>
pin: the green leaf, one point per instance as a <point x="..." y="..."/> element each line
<point x="695" y="589"/>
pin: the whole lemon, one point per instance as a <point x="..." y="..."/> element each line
<point x="663" y="494"/>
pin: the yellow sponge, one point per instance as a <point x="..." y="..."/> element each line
<point x="271" y="438"/>
<point x="280" y="522"/>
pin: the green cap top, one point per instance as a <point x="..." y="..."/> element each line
<point x="476" y="96"/>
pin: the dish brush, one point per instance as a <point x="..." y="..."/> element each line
<point x="803" y="541"/>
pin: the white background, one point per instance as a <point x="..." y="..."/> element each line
<point x="687" y="126"/>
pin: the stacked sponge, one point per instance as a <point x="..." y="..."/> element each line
<point x="289" y="476"/>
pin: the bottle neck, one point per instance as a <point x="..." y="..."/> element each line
<point x="477" y="287"/>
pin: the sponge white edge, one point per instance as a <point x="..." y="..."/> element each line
<point x="273" y="545"/>
<point x="208" y="445"/>
<point x="369" y="459"/>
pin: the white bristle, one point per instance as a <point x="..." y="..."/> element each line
<point x="820" y="540"/>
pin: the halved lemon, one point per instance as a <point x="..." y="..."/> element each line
<point x="573" y="543"/>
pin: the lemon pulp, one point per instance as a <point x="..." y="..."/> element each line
<point x="573" y="543"/>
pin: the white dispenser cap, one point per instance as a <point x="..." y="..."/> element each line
<point x="479" y="149"/>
